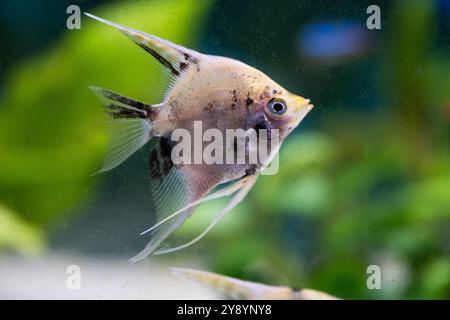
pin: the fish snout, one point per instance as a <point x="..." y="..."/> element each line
<point x="302" y="108"/>
<point x="303" y="104"/>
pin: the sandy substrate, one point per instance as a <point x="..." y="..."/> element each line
<point x="51" y="277"/>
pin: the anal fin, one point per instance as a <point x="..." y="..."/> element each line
<point x="173" y="188"/>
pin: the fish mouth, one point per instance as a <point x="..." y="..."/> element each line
<point x="304" y="108"/>
<point x="309" y="106"/>
<point x="304" y="104"/>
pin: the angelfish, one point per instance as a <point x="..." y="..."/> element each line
<point x="232" y="288"/>
<point x="220" y="92"/>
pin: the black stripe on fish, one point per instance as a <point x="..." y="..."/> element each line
<point x="129" y="102"/>
<point x="160" y="162"/>
<point x="118" y="112"/>
<point x="251" y="170"/>
<point x="262" y="123"/>
<point x="166" y="154"/>
<point x="119" y="106"/>
<point x="189" y="58"/>
<point x="161" y="59"/>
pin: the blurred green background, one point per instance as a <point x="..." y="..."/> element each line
<point x="364" y="180"/>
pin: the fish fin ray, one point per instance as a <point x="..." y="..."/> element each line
<point x="118" y="106"/>
<point x="247" y="183"/>
<point x="174" y="57"/>
<point x="174" y="187"/>
<point x="224" y="192"/>
<point x="129" y="126"/>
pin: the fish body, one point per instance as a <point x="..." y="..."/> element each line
<point x="224" y="94"/>
<point x="232" y="288"/>
<point x="219" y="93"/>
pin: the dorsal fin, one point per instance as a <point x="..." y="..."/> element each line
<point x="172" y="56"/>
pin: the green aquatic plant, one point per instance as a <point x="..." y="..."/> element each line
<point x="51" y="133"/>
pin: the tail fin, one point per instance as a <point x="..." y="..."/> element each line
<point x="130" y="126"/>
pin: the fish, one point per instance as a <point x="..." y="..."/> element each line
<point x="222" y="94"/>
<point x="232" y="288"/>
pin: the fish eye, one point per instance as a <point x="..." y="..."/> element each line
<point x="277" y="107"/>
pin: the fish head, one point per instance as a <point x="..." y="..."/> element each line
<point x="280" y="108"/>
